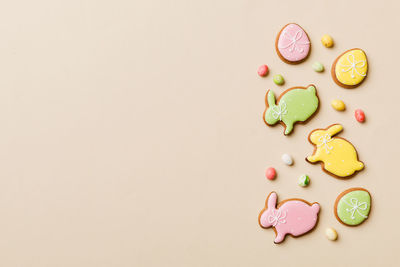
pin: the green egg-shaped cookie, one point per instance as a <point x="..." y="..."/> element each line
<point x="352" y="206"/>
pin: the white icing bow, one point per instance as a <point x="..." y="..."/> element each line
<point x="278" y="111"/>
<point x="324" y="140"/>
<point x="294" y="41"/>
<point x="356" y="206"/>
<point x="277" y="217"/>
<point x="354" y="65"/>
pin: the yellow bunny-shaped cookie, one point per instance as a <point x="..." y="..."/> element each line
<point x="338" y="155"/>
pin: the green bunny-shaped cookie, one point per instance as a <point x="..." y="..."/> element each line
<point x="293" y="105"/>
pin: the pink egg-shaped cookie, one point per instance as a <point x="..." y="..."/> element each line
<point x="292" y="44"/>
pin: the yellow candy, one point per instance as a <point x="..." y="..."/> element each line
<point x="327" y="40"/>
<point x="338" y="105"/>
<point x="331" y="234"/>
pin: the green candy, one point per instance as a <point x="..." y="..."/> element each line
<point x="353" y="207"/>
<point x="278" y="79"/>
<point x="304" y="180"/>
<point x="296" y="104"/>
<point x="318" y="67"/>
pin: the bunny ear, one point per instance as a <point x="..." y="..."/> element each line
<point x="271" y="98"/>
<point x="271" y="200"/>
<point x="334" y="129"/>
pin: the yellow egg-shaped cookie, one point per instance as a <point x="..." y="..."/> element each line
<point x="350" y="68"/>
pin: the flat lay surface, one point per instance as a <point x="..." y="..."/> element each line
<point x="132" y="133"/>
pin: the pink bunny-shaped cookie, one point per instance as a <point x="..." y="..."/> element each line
<point x="292" y="216"/>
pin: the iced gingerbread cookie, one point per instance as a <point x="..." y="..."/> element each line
<point x="338" y="156"/>
<point x="350" y="68"/>
<point x="292" y="44"/>
<point x="352" y="207"/>
<point x="296" y="104"/>
<point x="292" y="216"/>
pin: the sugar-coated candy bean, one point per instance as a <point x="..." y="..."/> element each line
<point x="338" y="105"/>
<point x="327" y="40"/>
<point x="318" y="67"/>
<point x="262" y="70"/>
<point x="304" y="180"/>
<point x="331" y="234"/>
<point x="270" y="173"/>
<point x="287" y="159"/>
<point x="359" y="114"/>
<point x="278" y="79"/>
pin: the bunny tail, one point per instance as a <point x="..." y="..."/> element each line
<point x="311" y="88"/>
<point x="360" y="166"/>
<point x="315" y="207"/>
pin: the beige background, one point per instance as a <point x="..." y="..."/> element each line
<point x="132" y="133"/>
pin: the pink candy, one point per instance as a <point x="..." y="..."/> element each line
<point x="359" y="114"/>
<point x="270" y="173"/>
<point x="262" y="70"/>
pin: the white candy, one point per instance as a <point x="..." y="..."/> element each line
<point x="287" y="159"/>
<point x="331" y="234"/>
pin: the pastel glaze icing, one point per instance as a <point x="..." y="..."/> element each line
<point x="294" y="217"/>
<point x="351" y="67"/>
<point x="339" y="156"/>
<point x="296" y="104"/>
<point x="353" y="207"/>
<point x="293" y="43"/>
